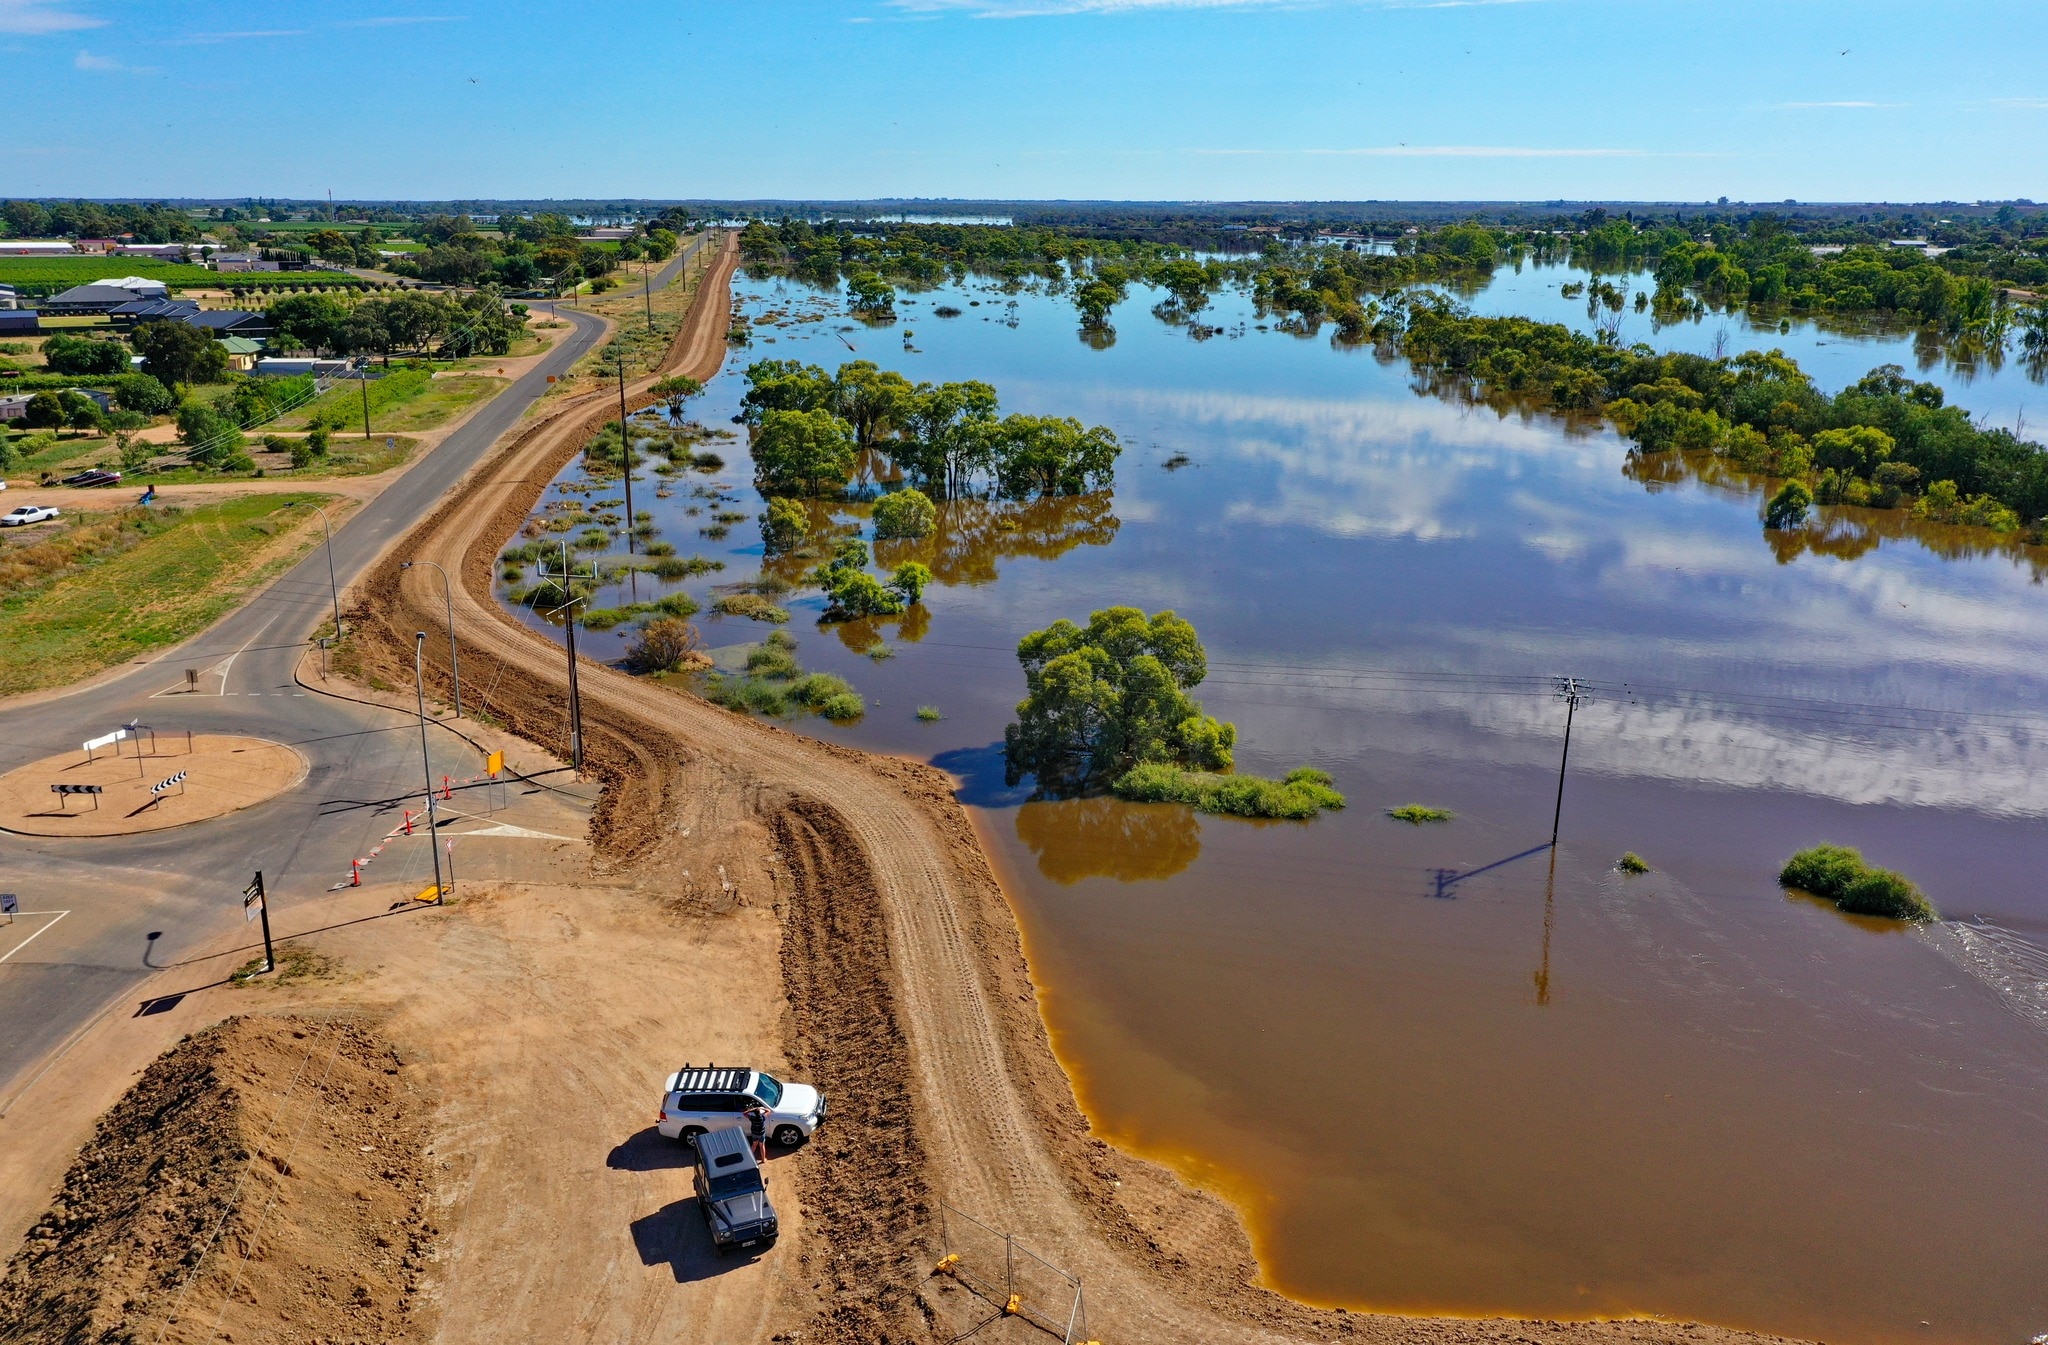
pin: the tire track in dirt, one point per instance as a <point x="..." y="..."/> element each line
<point x="867" y="840"/>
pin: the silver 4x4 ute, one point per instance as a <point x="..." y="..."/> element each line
<point x="701" y="1098"/>
<point x="732" y="1193"/>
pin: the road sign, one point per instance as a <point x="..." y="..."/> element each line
<point x="494" y="763"/>
<point x="253" y="902"/>
<point x="162" y="785"/>
<point x="9" y="903"/>
<point x="76" y="789"/>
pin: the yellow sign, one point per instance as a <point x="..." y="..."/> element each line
<point x="494" y="763"/>
<point x="429" y="894"/>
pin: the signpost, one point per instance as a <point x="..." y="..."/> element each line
<point x="66" y="791"/>
<point x="254" y="906"/>
<point x="10" y="905"/>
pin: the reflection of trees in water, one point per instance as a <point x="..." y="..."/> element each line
<point x="1108" y="838"/>
<point x="973" y="535"/>
<point x="1838" y="530"/>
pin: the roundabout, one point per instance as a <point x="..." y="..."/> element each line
<point x="138" y="786"/>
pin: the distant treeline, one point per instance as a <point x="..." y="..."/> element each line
<point x="1885" y="441"/>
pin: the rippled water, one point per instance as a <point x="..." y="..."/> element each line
<point x="1547" y="1092"/>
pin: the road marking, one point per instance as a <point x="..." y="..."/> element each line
<point x="58" y="915"/>
<point x="507" y="829"/>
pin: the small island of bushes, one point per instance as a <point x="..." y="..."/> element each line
<point x="1838" y="874"/>
<point x="1108" y="710"/>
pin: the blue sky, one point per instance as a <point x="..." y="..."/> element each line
<point x="1128" y="99"/>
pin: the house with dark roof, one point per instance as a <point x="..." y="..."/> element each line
<point x="84" y="301"/>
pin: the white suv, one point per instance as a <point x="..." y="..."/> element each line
<point x="698" y="1098"/>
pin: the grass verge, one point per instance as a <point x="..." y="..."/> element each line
<point x="1838" y="874"/>
<point x="1298" y="796"/>
<point x="133" y="594"/>
<point x="402" y="402"/>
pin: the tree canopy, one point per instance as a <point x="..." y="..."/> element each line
<point x="803" y="452"/>
<point x="1111" y="696"/>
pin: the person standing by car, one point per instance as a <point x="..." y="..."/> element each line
<point x="757" y="1131"/>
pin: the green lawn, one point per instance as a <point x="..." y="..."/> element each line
<point x="150" y="596"/>
<point x="50" y="275"/>
<point x="404" y="401"/>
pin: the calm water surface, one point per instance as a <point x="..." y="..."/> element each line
<point x="1534" y="1090"/>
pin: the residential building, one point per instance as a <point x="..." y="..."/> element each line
<point x="103" y="400"/>
<point x="87" y="301"/>
<point x="20" y="322"/>
<point x="223" y="323"/>
<point x="8" y="298"/>
<point x="242" y="261"/>
<point x="293" y="366"/>
<point x="14" y="405"/>
<point x="242" y="352"/>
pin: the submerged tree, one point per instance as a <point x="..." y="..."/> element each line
<point x="905" y="513"/>
<point x="784" y="525"/>
<point x="1113" y="695"/>
<point x="803" y="452"/>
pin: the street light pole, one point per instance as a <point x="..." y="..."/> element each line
<point x="332" y="586"/>
<point x="626" y="453"/>
<point x="419" y="682"/>
<point x="454" y="659"/>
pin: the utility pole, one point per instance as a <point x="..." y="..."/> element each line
<point x="419" y="682"/>
<point x="1568" y="690"/>
<point x="626" y="451"/>
<point x="647" y="282"/>
<point x="566" y="579"/>
<point x="363" y="377"/>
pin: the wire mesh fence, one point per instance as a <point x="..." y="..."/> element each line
<point x="1015" y="1281"/>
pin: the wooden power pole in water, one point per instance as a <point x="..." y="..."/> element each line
<point x="1569" y="691"/>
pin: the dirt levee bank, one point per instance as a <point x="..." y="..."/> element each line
<point x="172" y="1224"/>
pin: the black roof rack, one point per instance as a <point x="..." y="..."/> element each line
<point x="712" y="1078"/>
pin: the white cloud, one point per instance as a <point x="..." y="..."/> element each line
<point x="42" y="16"/>
<point x="1846" y="102"/>
<point x="85" y="60"/>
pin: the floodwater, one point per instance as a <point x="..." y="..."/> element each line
<point x="1537" y="1090"/>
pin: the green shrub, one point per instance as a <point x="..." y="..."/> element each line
<point x="603" y="618"/>
<point x="929" y="714"/>
<point x="906" y="513"/>
<point x="1300" y="795"/>
<point x="676" y="604"/>
<point x="1419" y="813"/>
<point x="1837" y="873"/>
<point x="1632" y="862"/>
<point x="750" y="605"/>
<point x="843" y="708"/>
<point x="817" y="690"/>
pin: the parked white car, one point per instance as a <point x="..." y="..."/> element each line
<point x="700" y="1098"/>
<point x="27" y="513"/>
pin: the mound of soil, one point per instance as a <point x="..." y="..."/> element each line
<point x="262" y="1181"/>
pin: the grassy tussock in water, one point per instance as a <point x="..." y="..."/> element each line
<point x="1300" y="795"/>
<point x="1632" y="863"/>
<point x="1838" y="874"/>
<point x="776" y="685"/>
<point x="1418" y="813"/>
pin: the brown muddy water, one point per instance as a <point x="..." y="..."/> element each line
<point x="1435" y="1073"/>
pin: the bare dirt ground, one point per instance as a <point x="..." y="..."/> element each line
<point x="222" y="773"/>
<point x="754" y="895"/>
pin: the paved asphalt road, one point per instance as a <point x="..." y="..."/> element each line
<point x="137" y="904"/>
